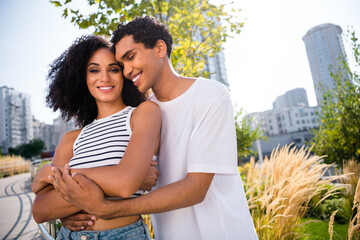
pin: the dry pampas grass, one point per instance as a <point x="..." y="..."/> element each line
<point x="10" y="165"/>
<point x="280" y="189"/>
<point x="354" y="226"/>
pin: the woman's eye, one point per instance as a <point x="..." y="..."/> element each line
<point x="131" y="57"/>
<point x="115" y="70"/>
<point x="94" y="70"/>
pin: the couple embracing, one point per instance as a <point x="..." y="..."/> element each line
<point x="182" y="139"/>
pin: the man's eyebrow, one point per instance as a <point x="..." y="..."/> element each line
<point x="127" y="53"/>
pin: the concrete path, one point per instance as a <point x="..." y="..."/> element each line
<point x="16" y="200"/>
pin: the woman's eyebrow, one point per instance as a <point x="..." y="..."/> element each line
<point x="96" y="64"/>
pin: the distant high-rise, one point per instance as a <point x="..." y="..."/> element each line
<point x="15" y="118"/>
<point x="293" y="98"/>
<point x="324" y="46"/>
<point x="216" y="68"/>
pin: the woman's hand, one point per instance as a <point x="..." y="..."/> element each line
<point x="41" y="179"/>
<point x="150" y="178"/>
<point x="77" y="189"/>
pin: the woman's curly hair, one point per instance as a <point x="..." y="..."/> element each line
<point x="146" y="30"/>
<point x="68" y="90"/>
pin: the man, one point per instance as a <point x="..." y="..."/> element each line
<point x="199" y="194"/>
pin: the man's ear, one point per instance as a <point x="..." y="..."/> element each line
<point x="160" y="48"/>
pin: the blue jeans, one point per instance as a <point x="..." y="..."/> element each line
<point x="136" y="230"/>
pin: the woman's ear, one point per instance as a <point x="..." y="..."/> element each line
<point x="161" y="48"/>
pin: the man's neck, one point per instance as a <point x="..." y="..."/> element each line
<point x="171" y="85"/>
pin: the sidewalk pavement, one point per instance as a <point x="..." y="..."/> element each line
<point x="16" y="200"/>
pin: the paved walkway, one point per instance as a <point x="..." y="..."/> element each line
<point x="16" y="200"/>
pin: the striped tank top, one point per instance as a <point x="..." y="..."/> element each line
<point x="103" y="142"/>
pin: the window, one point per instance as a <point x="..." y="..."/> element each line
<point x="303" y="121"/>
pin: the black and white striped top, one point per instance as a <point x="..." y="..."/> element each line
<point x="103" y="142"/>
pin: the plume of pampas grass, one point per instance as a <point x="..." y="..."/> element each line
<point x="280" y="189"/>
<point x="354" y="226"/>
<point x="331" y="224"/>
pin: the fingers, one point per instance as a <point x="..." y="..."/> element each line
<point x="58" y="183"/>
<point x="79" y="221"/>
<point x="81" y="179"/>
<point x="155" y="171"/>
<point x="77" y="225"/>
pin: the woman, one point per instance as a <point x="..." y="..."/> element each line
<point x="87" y="84"/>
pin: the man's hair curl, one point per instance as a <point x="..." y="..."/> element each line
<point x="146" y="30"/>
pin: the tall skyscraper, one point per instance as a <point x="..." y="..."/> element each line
<point x="216" y="68"/>
<point x="324" y="46"/>
<point x="15" y="118"/>
<point x="293" y="98"/>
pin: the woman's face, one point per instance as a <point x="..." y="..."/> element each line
<point x="104" y="77"/>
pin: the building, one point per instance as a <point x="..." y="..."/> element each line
<point x="51" y="134"/>
<point x="15" y="118"/>
<point x="61" y="127"/>
<point x="45" y="132"/>
<point x="216" y="67"/>
<point x="289" y="122"/>
<point x="286" y="120"/>
<point x="293" y="98"/>
<point x="324" y="46"/>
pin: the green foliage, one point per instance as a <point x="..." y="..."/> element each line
<point x="338" y="136"/>
<point x="319" y="230"/>
<point x="339" y="201"/>
<point x="245" y="136"/>
<point x="28" y="150"/>
<point x="197" y="26"/>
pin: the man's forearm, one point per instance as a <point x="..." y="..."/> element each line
<point x="184" y="193"/>
<point x="49" y="205"/>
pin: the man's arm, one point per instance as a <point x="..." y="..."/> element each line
<point x="184" y="193"/>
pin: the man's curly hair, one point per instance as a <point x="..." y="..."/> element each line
<point x="146" y="30"/>
<point x="68" y="90"/>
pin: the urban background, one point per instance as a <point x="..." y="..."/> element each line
<point x="292" y="71"/>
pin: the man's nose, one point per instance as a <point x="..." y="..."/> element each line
<point x="127" y="71"/>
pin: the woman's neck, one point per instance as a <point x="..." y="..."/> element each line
<point x="105" y="109"/>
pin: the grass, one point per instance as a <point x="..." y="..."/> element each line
<point x="11" y="165"/>
<point x="319" y="230"/>
<point x="280" y="189"/>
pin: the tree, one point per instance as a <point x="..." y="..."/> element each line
<point x="28" y="150"/>
<point x="338" y="135"/>
<point x="198" y="27"/>
<point x="245" y="135"/>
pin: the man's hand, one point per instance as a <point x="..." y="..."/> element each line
<point x="150" y="177"/>
<point x="78" y="221"/>
<point x="41" y="179"/>
<point x="77" y="189"/>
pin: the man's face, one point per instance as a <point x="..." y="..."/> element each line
<point x="141" y="65"/>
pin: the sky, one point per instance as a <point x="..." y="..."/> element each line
<point x="267" y="59"/>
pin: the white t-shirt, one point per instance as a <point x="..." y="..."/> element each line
<point x="198" y="135"/>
